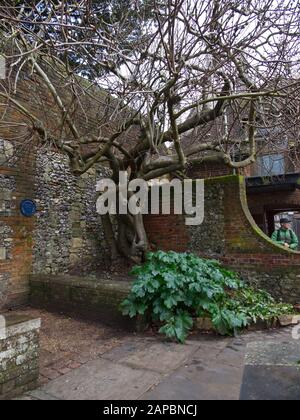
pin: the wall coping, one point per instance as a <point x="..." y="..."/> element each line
<point x="12" y="324"/>
<point x="255" y="227"/>
<point x="240" y="182"/>
<point x="91" y="281"/>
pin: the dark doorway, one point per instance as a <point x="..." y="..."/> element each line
<point x="273" y="220"/>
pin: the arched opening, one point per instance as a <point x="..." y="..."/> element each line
<point x="273" y="217"/>
<point x="270" y="198"/>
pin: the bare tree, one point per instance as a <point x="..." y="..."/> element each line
<point x="196" y="83"/>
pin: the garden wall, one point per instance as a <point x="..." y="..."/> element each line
<point x="66" y="232"/>
<point x="230" y="234"/>
<point x="16" y="243"/>
<point x="90" y="297"/>
<point x="19" y="355"/>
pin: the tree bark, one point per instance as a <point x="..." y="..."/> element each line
<point x="110" y="236"/>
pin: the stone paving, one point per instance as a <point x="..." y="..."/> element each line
<point x="256" y="365"/>
<point x="67" y="343"/>
<point x="272" y="370"/>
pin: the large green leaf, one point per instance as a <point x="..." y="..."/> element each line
<point x="174" y="287"/>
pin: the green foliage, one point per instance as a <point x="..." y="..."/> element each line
<point x="174" y="288"/>
<point x="257" y="304"/>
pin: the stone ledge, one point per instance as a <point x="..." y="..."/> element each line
<point x="86" y="297"/>
<point x="11" y="325"/>
<point x="19" y="354"/>
<point x="84" y="282"/>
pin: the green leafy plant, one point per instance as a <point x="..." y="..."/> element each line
<point x="173" y="289"/>
<point x="257" y="305"/>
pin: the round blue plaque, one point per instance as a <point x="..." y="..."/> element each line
<point x="28" y="208"/>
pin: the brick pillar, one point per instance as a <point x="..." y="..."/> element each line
<point x="16" y="184"/>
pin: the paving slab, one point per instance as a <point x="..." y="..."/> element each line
<point x="136" y="367"/>
<point x="101" y="380"/>
<point x="213" y="372"/>
<point x="127" y="348"/>
<point x="272" y="370"/>
<point x="198" y="382"/>
<point x="232" y="356"/>
<point x="273" y="353"/>
<point x="161" y="357"/>
<point x="281" y="334"/>
<point x="38" y="394"/>
<point x="271" y="383"/>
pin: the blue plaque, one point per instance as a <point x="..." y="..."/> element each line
<point x="28" y="208"/>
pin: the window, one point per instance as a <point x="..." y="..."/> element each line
<point x="271" y="165"/>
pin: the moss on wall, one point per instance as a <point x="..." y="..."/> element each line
<point x="89" y="297"/>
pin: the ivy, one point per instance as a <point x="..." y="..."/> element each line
<point x="175" y="288"/>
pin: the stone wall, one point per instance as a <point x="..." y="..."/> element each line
<point x="19" y="355"/>
<point x="66" y="233"/>
<point x="230" y="234"/>
<point x="16" y="184"/>
<point x="212" y="240"/>
<point x="90" y="297"/>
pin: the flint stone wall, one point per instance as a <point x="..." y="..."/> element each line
<point x="64" y="235"/>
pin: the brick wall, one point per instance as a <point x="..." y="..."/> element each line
<point x="258" y="203"/>
<point x="167" y="232"/>
<point x="212" y="170"/>
<point x="16" y="183"/>
<point x="209" y="170"/>
<point x="230" y="234"/>
<point x="264" y="206"/>
<point x="19" y="355"/>
<point x="66" y="233"/>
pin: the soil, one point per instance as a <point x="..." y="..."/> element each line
<point x="67" y="343"/>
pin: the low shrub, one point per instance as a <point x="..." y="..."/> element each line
<point x="175" y="288"/>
